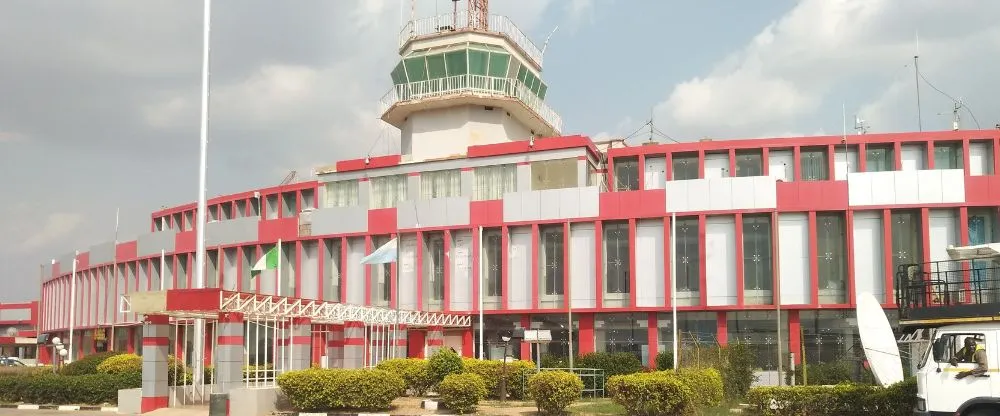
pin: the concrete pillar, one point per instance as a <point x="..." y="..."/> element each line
<point x="435" y="340"/>
<point x="335" y="347"/>
<point x="354" y="344"/>
<point x="295" y="349"/>
<point x="155" y="344"/>
<point x="229" y="356"/>
<point x="400" y="342"/>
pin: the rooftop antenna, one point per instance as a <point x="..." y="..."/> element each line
<point x="288" y="178"/>
<point x="916" y="79"/>
<point x="860" y="125"/>
<point x="479" y="14"/>
<point x="956" y="114"/>
<point x="546" y="44"/>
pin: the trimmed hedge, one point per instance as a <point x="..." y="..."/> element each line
<point x="125" y="364"/>
<point x="462" y="392"/>
<point x="706" y="386"/>
<point x="320" y="390"/>
<point x="553" y="391"/>
<point x="613" y="364"/>
<point x="665" y="360"/>
<point x="651" y="394"/>
<point x="820" y="374"/>
<point x="491" y="370"/>
<point x="86" y="365"/>
<point x="415" y="372"/>
<point x="47" y="388"/>
<point x="842" y="399"/>
<point x="443" y="363"/>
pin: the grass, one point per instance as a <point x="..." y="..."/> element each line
<point x="599" y="407"/>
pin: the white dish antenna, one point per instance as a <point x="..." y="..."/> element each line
<point x="878" y="341"/>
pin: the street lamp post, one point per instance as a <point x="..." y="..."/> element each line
<point x="503" y="369"/>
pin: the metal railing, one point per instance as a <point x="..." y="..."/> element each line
<point x="947" y="288"/>
<point x="444" y="23"/>
<point x="481" y="85"/>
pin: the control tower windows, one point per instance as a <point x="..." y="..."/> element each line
<point x="494" y="181"/>
<point x="553" y="174"/>
<point x="440" y="184"/>
<point x="387" y="191"/>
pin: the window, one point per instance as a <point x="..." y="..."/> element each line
<point x="342" y="194"/>
<point x="947" y="346"/>
<point x="815" y="167"/>
<point x="308" y="199"/>
<point x="982" y="226"/>
<point x="331" y="270"/>
<point x="688" y="265"/>
<point x="831" y="251"/>
<point x="626" y="171"/>
<point x="980" y="158"/>
<point x="616" y="257"/>
<point x="288" y="205"/>
<point x="554" y="174"/>
<point x="387" y="191"/>
<point x="440" y="184"/>
<point x="749" y="162"/>
<point x="685" y="166"/>
<point x="493" y="258"/>
<point x="907" y="244"/>
<point x="551" y="260"/>
<point x="494" y="181"/>
<point x="880" y="158"/>
<point x="948" y="155"/>
<point x="757" y="263"/>
<point x="272" y="206"/>
<point x="434" y="259"/>
<point x="381" y="283"/>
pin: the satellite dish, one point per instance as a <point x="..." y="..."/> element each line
<point x="878" y="341"/>
<point x="11" y="332"/>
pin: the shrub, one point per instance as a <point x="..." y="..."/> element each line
<point x="613" y="364"/>
<point x="554" y="361"/>
<point x="87" y="364"/>
<point x="820" y="374"/>
<point x="665" y="360"/>
<point x="21" y="370"/>
<point x="706" y="386"/>
<point x="126" y="364"/>
<point x="738" y="370"/>
<point x="47" y="388"/>
<point x="317" y="389"/>
<point x="554" y="390"/>
<point x="415" y="372"/>
<point x="462" y="392"/>
<point x="491" y="370"/>
<point x="444" y="362"/>
<point x="649" y="394"/>
<point x="842" y="399"/>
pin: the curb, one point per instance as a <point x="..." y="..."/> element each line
<point x="354" y="414"/>
<point x="58" y="407"/>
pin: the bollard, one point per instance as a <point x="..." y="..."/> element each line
<point x="218" y="404"/>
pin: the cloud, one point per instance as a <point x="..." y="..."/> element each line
<point x="795" y="73"/>
<point x="56" y="226"/>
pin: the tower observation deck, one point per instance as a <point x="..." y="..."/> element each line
<point x="466" y="78"/>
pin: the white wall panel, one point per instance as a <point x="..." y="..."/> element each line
<point x="407" y="272"/>
<point x="980" y="158"/>
<point x="656" y="172"/>
<point x="310" y="270"/>
<point x="721" y="194"/>
<point x="461" y="271"/>
<point x="793" y="248"/>
<point x="582" y="270"/>
<point x="781" y="165"/>
<point x="943" y="229"/>
<point x="649" y="282"/>
<point x="913" y="156"/>
<point x="869" y="255"/>
<point x="906" y="187"/>
<point x="519" y="268"/>
<point x="720" y="260"/>
<point x="230" y="273"/>
<point x="355" y="271"/>
<point x="844" y="162"/>
<point x="716" y="165"/>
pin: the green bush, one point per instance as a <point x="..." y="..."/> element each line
<point x="47" y="388"/>
<point x="650" y="394"/>
<point x="738" y="370"/>
<point x="554" y="390"/>
<point x="837" y="372"/>
<point x="491" y="370"/>
<point x="124" y="364"/>
<point x="665" y="360"/>
<point x="613" y="364"/>
<point x="23" y="370"/>
<point x="462" y="392"/>
<point x="706" y="386"/>
<point x="443" y="363"/>
<point x="415" y="372"/>
<point x="86" y="364"/>
<point x="318" y="390"/>
<point x="554" y="361"/>
<point x="842" y="399"/>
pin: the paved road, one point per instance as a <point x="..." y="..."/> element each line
<point x="15" y="412"/>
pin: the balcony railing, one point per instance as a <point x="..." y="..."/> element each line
<point x="444" y="23"/>
<point x="479" y="85"/>
<point x="948" y="289"/>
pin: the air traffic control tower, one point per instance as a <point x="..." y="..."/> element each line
<point x="466" y="78"/>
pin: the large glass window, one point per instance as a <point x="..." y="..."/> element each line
<point x="342" y="193"/>
<point x="948" y="155"/>
<point x="616" y="257"/>
<point x="758" y="330"/>
<point x="685" y="166"/>
<point x="457" y="63"/>
<point x="907" y="242"/>
<point x="387" y="191"/>
<point x="496" y="327"/>
<point x="554" y="174"/>
<point x="622" y="332"/>
<point x="831" y="252"/>
<point x="757" y="264"/>
<point x="493" y="258"/>
<point x="494" y="181"/>
<point x="693" y="329"/>
<point x="434" y="259"/>
<point x="381" y="282"/>
<point x="831" y="337"/>
<point x="331" y="270"/>
<point x="440" y="184"/>
<point x="551" y="261"/>
<point x="479" y="60"/>
<point x="749" y="162"/>
<point x="688" y="266"/>
<point x="626" y="171"/>
<point x="815" y="166"/>
<point x="880" y="158"/>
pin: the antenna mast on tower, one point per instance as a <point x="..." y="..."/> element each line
<point x="479" y="14"/>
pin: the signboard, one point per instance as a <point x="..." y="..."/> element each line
<point x="537" y="336"/>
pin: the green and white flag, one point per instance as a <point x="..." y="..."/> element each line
<point x="269" y="261"/>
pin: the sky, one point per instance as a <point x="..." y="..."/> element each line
<point x="101" y="98"/>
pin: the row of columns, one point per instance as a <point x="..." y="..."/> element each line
<point x="345" y="348"/>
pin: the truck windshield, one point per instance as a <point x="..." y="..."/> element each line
<point x="928" y="346"/>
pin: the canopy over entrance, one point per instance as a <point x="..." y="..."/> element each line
<point x="209" y="303"/>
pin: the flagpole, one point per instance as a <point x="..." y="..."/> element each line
<point x="482" y="352"/>
<point x="200" y="213"/>
<point x="673" y="284"/>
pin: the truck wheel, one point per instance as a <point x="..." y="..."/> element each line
<point x="983" y="411"/>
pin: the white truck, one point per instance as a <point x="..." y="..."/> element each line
<point x="940" y="391"/>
